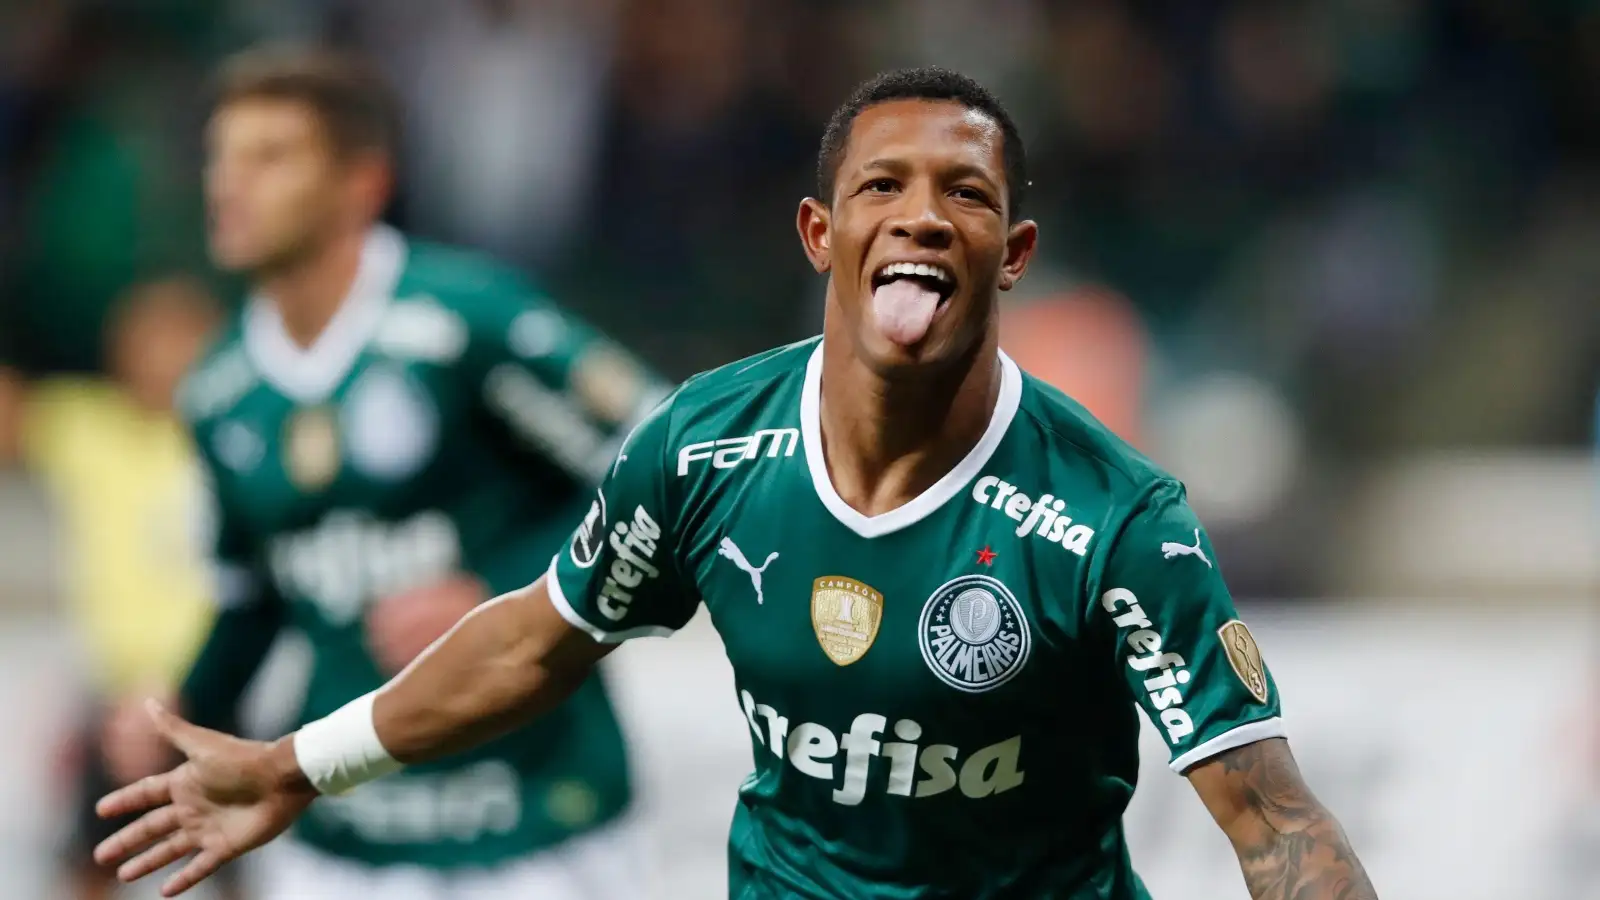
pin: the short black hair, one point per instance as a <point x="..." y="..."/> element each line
<point x="922" y="83"/>
<point x="353" y="101"/>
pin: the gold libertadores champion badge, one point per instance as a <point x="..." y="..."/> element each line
<point x="846" y="615"/>
<point x="1245" y="657"/>
<point x="311" y="448"/>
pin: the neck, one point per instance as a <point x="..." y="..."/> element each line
<point x="888" y="439"/>
<point x="309" y="289"/>
<point x="153" y="405"/>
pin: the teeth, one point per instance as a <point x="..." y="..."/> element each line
<point x="920" y="269"/>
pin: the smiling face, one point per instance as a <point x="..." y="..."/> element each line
<point x="918" y="237"/>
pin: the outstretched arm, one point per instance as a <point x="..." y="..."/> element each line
<point x="505" y="663"/>
<point x="508" y="661"/>
<point x="1289" y="845"/>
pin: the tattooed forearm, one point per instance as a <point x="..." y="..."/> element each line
<point x="1290" y="847"/>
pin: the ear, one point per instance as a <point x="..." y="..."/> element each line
<point x="1021" y="242"/>
<point x="371" y="179"/>
<point x="815" y="224"/>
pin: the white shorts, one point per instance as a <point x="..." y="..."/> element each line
<point x="607" y="864"/>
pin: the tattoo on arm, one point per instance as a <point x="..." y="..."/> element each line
<point x="1290" y="847"/>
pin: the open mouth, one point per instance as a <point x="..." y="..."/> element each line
<point x="908" y="296"/>
<point x="932" y="277"/>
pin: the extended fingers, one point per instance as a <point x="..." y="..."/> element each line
<point x="199" y="869"/>
<point x="175" y="847"/>
<point x="143" y="794"/>
<point x="150" y="827"/>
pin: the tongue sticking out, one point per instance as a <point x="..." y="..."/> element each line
<point x="904" y="310"/>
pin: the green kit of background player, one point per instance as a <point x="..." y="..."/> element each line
<point x="944" y="588"/>
<point x="393" y="433"/>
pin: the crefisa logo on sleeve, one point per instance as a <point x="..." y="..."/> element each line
<point x="633" y="546"/>
<point x="590" y="536"/>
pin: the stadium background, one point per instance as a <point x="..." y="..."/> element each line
<point x="1333" y="263"/>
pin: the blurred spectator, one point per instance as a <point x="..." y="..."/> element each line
<point x="997" y="42"/>
<point x="701" y="169"/>
<point x="118" y="467"/>
<point x="525" y="79"/>
<point x="101" y="161"/>
<point x="1089" y="344"/>
<point x="1275" y="72"/>
<point x="1108" y="195"/>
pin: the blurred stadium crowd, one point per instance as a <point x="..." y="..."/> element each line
<point x="1375" y="216"/>
<point x="1332" y="262"/>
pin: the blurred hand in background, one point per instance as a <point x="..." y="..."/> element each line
<point x="131" y="744"/>
<point x="11" y="405"/>
<point x="402" y="626"/>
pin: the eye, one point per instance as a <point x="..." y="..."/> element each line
<point x="970" y="193"/>
<point x="881" y="186"/>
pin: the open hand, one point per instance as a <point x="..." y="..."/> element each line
<point x="229" y="798"/>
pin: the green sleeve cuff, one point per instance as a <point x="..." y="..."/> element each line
<point x="239" y="641"/>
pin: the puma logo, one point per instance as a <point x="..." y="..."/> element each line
<point x="1172" y="549"/>
<point x="731" y="550"/>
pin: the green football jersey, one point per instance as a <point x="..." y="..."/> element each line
<point x="448" y="420"/>
<point x="940" y="698"/>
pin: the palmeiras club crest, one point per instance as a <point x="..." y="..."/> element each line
<point x="390" y="423"/>
<point x="973" y="634"/>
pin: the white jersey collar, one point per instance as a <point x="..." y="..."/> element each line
<point x="310" y="374"/>
<point x="924" y="504"/>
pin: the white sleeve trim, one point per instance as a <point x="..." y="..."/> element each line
<point x="1248" y="733"/>
<point x="558" y="598"/>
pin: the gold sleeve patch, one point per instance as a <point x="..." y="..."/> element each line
<point x="1245" y="657"/>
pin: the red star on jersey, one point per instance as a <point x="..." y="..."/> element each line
<point x="986" y="556"/>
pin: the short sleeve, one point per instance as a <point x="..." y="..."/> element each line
<point x="556" y="383"/>
<point x="250" y="613"/>
<point x="1179" y="645"/>
<point x="218" y="529"/>
<point x="621" y="574"/>
<point x="235" y="578"/>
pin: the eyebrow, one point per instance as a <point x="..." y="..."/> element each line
<point x="954" y="172"/>
<point x="895" y="166"/>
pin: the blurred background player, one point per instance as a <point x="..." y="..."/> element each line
<point x="120" y="470"/>
<point x="393" y="432"/>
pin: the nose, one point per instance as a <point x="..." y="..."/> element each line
<point x="921" y="220"/>
<point x="221" y="180"/>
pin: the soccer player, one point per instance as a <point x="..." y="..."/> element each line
<point x="943" y="587"/>
<point x="392" y="431"/>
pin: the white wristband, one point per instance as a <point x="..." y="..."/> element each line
<point x="342" y="750"/>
